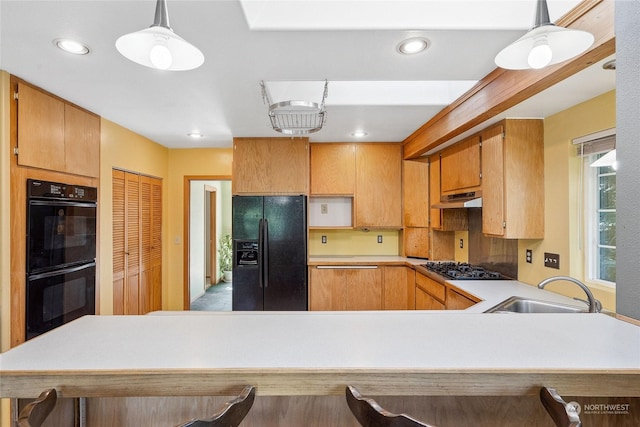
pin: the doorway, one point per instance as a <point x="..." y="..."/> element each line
<point x="207" y="213"/>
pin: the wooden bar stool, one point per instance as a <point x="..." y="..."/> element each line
<point x="34" y="414"/>
<point x="370" y="414"/>
<point x="563" y="414"/>
<point x="231" y="414"/>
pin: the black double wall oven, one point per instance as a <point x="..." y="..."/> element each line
<point x="61" y="252"/>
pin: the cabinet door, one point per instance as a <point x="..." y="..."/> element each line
<point x="81" y="142"/>
<point x="416" y="242"/>
<point x="460" y="166"/>
<point x="437" y="290"/>
<point x="398" y="289"/>
<point x="415" y="193"/>
<point x="289" y="165"/>
<point x="378" y="185"/>
<point x="269" y="166"/>
<point x="364" y="289"/>
<point x="493" y="182"/>
<point x="333" y="169"/>
<point x="424" y="301"/>
<point x="456" y="301"/>
<point x="326" y="289"/>
<point x="40" y="129"/>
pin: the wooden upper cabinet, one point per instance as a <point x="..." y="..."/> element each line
<point x="460" y="167"/>
<point x="333" y="169"/>
<point x="442" y="219"/>
<point x="81" y="142"/>
<point x="40" y="129"/>
<point x="378" y="200"/>
<point x="415" y="193"/>
<point x="513" y="179"/>
<point x="269" y="166"/>
<point x="56" y="135"/>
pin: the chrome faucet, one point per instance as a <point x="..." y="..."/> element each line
<point x="594" y="304"/>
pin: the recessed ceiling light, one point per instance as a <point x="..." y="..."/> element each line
<point x="195" y="135"/>
<point x="359" y="134"/>
<point x="72" y="46"/>
<point x="412" y="45"/>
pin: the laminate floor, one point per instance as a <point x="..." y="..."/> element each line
<point x="216" y="298"/>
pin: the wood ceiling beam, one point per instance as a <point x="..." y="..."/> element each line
<point x="502" y="89"/>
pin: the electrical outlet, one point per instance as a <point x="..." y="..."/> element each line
<point x="379" y="238"/>
<point x="324" y="208"/>
<point x="552" y="260"/>
<point x="324" y="240"/>
<point x="461" y="243"/>
<point x="529" y="256"/>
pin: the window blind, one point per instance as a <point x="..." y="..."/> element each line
<point x="599" y="142"/>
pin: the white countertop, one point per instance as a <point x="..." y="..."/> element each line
<point x="388" y="339"/>
<point x="401" y="352"/>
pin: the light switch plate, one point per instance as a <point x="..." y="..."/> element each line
<point x="552" y="260"/>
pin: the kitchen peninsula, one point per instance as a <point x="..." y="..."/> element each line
<point x="391" y="353"/>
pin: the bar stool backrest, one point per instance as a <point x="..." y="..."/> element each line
<point x="562" y="413"/>
<point x="34" y="414"/>
<point x="370" y="414"/>
<point x="231" y="414"/>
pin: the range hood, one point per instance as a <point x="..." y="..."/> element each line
<point x="472" y="199"/>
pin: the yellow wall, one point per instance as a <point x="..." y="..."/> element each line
<point x="353" y="242"/>
<point x="123" y="149"/>
<point x="562" y="194"/>
<point x="5" y="237"/>
<point x="204" y="162"/>
<point x="5" y="228"/>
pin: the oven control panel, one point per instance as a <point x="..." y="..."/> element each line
<point x="55" y="190"/>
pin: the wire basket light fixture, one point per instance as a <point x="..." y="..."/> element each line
<point x="296" y="117"/>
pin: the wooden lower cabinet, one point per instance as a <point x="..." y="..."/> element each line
<point x="399" y="288"/>
<point x="337" y="288"/>
<point x="425" y="301"/>
<point x="137" y="243"/>
<point x="363" y="289"/>
<point x="430" y="295"/>
<point x="457" y="301"/>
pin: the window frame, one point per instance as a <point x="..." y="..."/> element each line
<point x="591" y="219"/>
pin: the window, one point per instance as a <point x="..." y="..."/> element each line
<point x="600" y="221"/>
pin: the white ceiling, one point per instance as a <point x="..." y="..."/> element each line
<point x="350" y="43"/>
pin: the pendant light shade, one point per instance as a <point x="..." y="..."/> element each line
<point x="159" y="47"/>
<point x="545" y="44"/>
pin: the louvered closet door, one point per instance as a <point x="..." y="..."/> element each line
<point x="151" y="244"/>
<point x="118" y="241"/>
<point x="137" y="243"/>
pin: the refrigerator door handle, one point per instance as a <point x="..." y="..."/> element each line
<point x="260" y="252"/>
<point x="265" y="247"/>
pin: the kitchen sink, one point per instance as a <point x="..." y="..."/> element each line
<point x="528" y="305"/>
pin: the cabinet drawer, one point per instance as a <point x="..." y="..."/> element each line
<point x="430" y="286"/>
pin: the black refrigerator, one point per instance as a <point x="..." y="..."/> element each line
<point x="269" y="253"/>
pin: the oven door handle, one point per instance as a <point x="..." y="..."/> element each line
<point x="60" y="271"/>
<point x="61" y="203"/>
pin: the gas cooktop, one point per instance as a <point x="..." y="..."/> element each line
<point x="462" y="271"/>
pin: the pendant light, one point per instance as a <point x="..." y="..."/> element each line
<point x="608" y="159"/>
<point x="545" y="44"/>
<point x="159" y="47"/>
